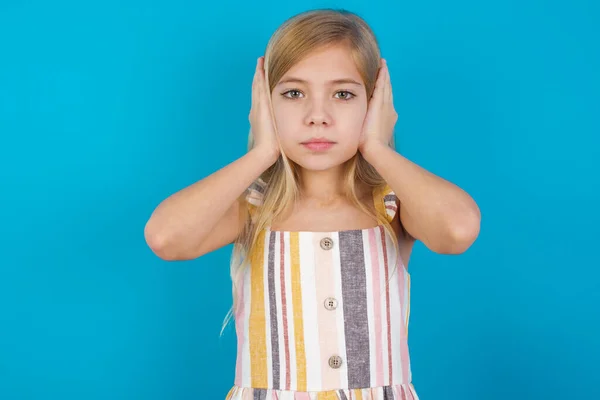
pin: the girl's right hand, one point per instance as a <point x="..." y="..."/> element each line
<point x="261" y="121"/>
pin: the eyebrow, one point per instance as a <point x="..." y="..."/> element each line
<point x="333" y="82"/>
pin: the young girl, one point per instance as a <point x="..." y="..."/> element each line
<point x="323" y="214"/>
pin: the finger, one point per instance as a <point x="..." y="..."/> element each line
<point x="263" y="76"/>
<point x="386" y="84"/>
<point x="256" y="72"/>
<point x="256" y="83"/>
<point x="378" y="84"/>
<point x="389" y="94"/>
<point x="261" y="79"/>
<point x="390" y="88"/>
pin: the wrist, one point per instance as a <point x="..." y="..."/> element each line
<point x="371" y="148"/>
<point x="269" y="155"/>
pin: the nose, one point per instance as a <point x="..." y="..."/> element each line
<point x="317" y="114"/>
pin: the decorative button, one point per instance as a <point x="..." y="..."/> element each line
<point x="335" y="362"/>
<point x="331" y="303"/>
<point x="326" y="243"/>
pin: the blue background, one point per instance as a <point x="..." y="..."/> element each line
<point x="108" y="108"/>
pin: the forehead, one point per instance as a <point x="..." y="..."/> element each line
<point x="333" y="62"/>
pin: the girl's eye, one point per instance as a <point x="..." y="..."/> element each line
<point x="346" y="95"/>
<point x="295" y="94"/>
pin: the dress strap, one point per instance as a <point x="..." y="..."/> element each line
<point x="386" y="201"/>
<point x="255" y="195"/>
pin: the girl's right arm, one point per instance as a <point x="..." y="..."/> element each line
<point x="208" y="214"/>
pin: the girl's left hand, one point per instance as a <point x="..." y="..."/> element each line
<point x="378" y="126"/>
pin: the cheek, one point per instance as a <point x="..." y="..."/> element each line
<point x="286" y="121"/>
<point x="351" y="121"/>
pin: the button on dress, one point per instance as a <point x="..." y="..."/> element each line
<point x="315" y="319"/>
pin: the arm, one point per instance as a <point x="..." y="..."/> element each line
<point x="432" y="210"/>
<point x="205" y="215"/>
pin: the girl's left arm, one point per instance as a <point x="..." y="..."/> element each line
<point x="438" y="213"/>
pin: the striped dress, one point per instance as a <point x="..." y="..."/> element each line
<point x="315" y="319"/>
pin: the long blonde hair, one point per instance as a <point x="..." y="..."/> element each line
<point x="291" y="42"/>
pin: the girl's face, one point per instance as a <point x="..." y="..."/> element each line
<point x="322" y="97"/>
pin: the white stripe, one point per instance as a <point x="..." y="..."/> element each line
<point x="309" y="312"/>
<point x="267" y="310"/>
<point x="384" y="321"/>
<point x="396" y="314"/>
<point x="407" y="315"/>
<point x="406" y="300"/>
<point x="370" y="307"/>
<point x="290" y="311"/>
<point x="281" y="342"/>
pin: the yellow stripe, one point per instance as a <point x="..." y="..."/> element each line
<point x="378" y="199"/>
<point x="298" y="315"/>
<point x="327" y="395"/>
<point x="358" y="394"/>
<point x="257" y="328"/>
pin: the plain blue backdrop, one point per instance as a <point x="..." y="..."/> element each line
<point x="107" y="108"/>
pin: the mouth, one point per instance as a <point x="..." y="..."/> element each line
<point x="318" y="144"/>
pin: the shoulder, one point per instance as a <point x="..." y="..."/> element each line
<point x="386" y="201"/>
<point x="255" y="192"/>
<point x="254" y="195"/>
<point x="389" y="203"/>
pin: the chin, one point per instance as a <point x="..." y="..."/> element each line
<point x="320" y="162"/>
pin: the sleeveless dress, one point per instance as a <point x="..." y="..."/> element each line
<point x="315" y="319"/>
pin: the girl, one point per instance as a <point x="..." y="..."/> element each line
<point x="323" y="214"/>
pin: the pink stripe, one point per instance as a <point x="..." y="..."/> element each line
<point x="405" y="360"/>
<point x="284" y="312"/>
<point x="403" y="339"/>
<point x="240" y="324"/>
<point x="377" y="309"/>
<point x="413" y="393"/>
<point x="387" y="301"/>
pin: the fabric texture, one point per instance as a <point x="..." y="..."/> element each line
<point x="323" y="315"/>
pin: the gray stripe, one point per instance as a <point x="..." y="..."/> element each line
<point x="342" y="395"/>
<point x="388" y="393"/>
<point x="389" y="197"/>
<point x="273" y="312"/>
<point x="259" y="394"/>
<point x="257" y="186"/>
<point x="354" y="293"/>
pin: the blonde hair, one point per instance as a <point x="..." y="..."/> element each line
<point x="291" y="42"/>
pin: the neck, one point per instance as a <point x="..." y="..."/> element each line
<point x="324" y="186"/>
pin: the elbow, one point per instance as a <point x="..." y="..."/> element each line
<point x="460" y="236"/>
<point x="465" y="232"/>
<point x="463" y="238"/>
<point x="158" y="242"/>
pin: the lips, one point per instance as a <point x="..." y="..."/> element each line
<point x="318" y="144"/>
<point x="317" y="141"/>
